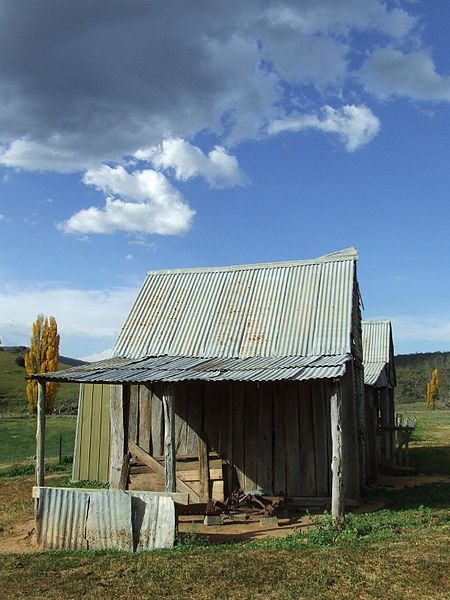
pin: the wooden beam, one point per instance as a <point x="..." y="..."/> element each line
<point x="337" y="466"/>
<point x="119" y="404"/>
<point x="203" y="467"/>
<point x="169" y="438"/>
<point x="148" y="460"/>
<point x="40" y="434"/>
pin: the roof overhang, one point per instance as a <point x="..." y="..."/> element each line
<point x="183" y="368"/>
<point x="375" y="374"/>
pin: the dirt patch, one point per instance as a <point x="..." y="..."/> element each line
<point x="19" y="539"/>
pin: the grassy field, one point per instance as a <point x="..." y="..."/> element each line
<point x="17" y="442"/>
<point x="12" y="388"/>
<point x="389" y="554"/>
<point x="430" y="447"/>
<point x="399" y="551"/>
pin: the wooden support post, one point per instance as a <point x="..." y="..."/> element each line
<point x="203" y="467"/>
<point x="119" y="407"/>
<point x="40" y="434"/>
<point x="337" y="467"/>
<point x="169" y="439"/>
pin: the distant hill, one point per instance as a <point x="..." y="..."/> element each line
<point x="12" y="383"/>
<point x="414" y="371"/>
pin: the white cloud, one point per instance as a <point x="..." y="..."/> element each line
<point x="186" y="161"/>
<point x="355" y="125"/>
<point x="388" y="72"/>
<point x="423" y="328"/>
<point x="102" y="355"/>
<point x="152" y="204"/>
<point x="110" y="83"/>
<point x="85" y="317"/>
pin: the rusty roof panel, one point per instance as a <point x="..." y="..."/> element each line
<point x="300" y="308"/>
<point x="174" y="368"/>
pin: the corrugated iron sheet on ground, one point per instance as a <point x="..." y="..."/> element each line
<point x="181" y="368"/>
<point x="109" y="524"/>
<point x="61" y="519"/>
<point x="104" y="519"/>
<point x="156" y="516"/>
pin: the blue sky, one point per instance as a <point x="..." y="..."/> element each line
<point x="150" y="135"/>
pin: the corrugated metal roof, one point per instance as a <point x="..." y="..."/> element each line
<point x="182" y="368"/>
<point x="299" y="308"/>
<point x="377" y="351"/>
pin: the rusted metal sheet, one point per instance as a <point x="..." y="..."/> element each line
<point x="264" y="322"/>
<point x="277" y="309"/>
<point x="108" y="523"/>
<point x="170" y="368"/>
<point x="154" y="521"/>
<point x="61" y="519"/>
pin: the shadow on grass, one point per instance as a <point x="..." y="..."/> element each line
<point x="432" y="495"/>
<point x="431" y="459"/>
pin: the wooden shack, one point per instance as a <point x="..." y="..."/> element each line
<point x="379" y="384"/>
<point x="246" y="377"/>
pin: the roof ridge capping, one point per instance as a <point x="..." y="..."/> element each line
<point x="346" y="254"/>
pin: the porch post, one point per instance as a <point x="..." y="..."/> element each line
<point x="169" y="438"/>
<point x="118" y="456"/>
<point x="337" y="466"/>
<point x="40" y="434"/>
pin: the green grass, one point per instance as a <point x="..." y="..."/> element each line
<point x="410" y="561"/>
<point x="17" y="438"/>
<point x="12" y="388"/>
<point x="430" y="446"/>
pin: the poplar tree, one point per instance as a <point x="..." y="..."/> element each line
<point x="432" y="390"/>
<point x="43" y="357"/>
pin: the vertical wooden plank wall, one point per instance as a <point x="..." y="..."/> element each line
<point x="275" y="436"/>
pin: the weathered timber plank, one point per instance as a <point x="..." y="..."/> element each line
<point x="279" y="456"/>
<point x="187" y="476"/>
<point x="265" y="428"/>
<point x="212" y="410"/>
<point x="146" y="459"/>
<point x="133" y="420"/>
<point x="40" y="435"/>
<point x="147" y="481"/>
<point x="157" y="435"/>
<point x="337" y="488"/>
<point x="194" y="414"/>
<point x="320" y="418"/>
<point x="180" y="418"/>
<point x="229" y="474"/>
<point x="292" y="442"/>
<point x="169" y="437"/>
<point x="251" y="437"/>
<point x="119" y="397"/>
<point x="239" y="433"/>
<point x="217" y="490"/>
<point x="203" y="469"/>
<point x="307" y="460"/>
<point x="145" y="418"/>
<point x="328" y="392"/>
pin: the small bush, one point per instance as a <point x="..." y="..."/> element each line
<point x="20" y="361"/>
